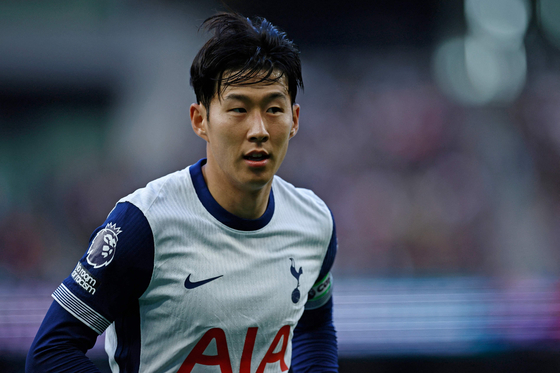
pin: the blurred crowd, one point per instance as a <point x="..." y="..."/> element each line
<point x="418" y="184"/>
<point x="422" y="186"/>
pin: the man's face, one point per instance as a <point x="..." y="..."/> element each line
<point x="247" y="133"/>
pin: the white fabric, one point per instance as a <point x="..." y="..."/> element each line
<point x="256" y="286"/>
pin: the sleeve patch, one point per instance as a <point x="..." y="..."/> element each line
<point x="80" y="310"/>
<point x="102" y="249"/>
<point x="82" y="277"/>
<point x="320" y="293"/>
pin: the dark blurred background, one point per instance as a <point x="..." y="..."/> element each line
<point x="431" y="128"/>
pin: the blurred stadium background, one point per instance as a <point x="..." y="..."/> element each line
<point x="431" y="128"/>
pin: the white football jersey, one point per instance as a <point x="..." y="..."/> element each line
<point x="223" y="294"/>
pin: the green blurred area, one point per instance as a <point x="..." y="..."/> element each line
<point x="58" y="138"/>
<point x="36" y="13"/>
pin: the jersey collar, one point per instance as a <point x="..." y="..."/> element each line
<point x="217" y="211"/>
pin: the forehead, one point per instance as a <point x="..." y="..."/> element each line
<point x="277" y="82"/>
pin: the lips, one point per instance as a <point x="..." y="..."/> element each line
<point x="256" y="158"/>
<point x="256" y="155"/>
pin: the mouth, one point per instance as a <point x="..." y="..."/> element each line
<point x="257" y="158"/>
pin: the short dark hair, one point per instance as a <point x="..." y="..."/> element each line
<point x="250" y="49"/>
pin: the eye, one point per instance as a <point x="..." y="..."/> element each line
<point x="275" y="110"/>
<point x="238" y="110"/>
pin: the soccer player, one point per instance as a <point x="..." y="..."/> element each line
<point x="219" y="267"/>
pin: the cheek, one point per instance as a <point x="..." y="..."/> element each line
<point x="222" y="135"/>
<point x="281" y="143"/>
<point x="283" y="133"/>
<point x="282" y="126"/>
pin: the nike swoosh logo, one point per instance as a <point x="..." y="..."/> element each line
<point x="191" y="285"/>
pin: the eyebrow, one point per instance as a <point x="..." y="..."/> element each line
<point x="270" y="97"/>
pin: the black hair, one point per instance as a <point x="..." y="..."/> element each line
<point x="243" y="51"/>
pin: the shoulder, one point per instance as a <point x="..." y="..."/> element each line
<point x="158" y="190"/>
<point x="302" y="200"/>
<point x="299" y="196"/>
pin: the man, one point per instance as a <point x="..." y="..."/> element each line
<point x="222" y="266"/>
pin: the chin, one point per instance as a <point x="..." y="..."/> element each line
<point x="258" y="183"/>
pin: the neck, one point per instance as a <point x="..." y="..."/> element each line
<point x="246" y="204"/>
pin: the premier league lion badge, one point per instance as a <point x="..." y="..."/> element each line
<point x="102" y="249"/>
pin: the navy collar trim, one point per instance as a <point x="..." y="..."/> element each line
<point x="217" y="211"/>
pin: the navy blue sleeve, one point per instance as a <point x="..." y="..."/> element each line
<point x="60" y="344"/>
<point x="104" y="285"/>
<point x="314" y="344"/>
<point x="115" y="270"/>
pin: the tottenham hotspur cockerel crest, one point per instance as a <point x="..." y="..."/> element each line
<point x="102" y="249"/>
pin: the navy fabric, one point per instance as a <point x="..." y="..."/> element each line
<point x="60" y="344"/>
<point x="121" y="283"/>
<point x="128" y="275"/>
<point x="224" y="216"/>
<point x="128" y="350"/>
<point x="314" y="344"/>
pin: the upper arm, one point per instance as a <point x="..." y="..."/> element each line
<point x="321" y="292"/>
<point x="314" y="343"/>
<point x="115" y="270"/>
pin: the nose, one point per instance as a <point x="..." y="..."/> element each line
<point x="257" y="130"/>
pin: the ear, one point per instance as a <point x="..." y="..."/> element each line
<point x="198" y="120"/>
<point x="295" y="120"/>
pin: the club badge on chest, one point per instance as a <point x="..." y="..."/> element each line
<point x="296" y="295"/>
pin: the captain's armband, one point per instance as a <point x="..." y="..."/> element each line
<point x="320" y="293"/>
